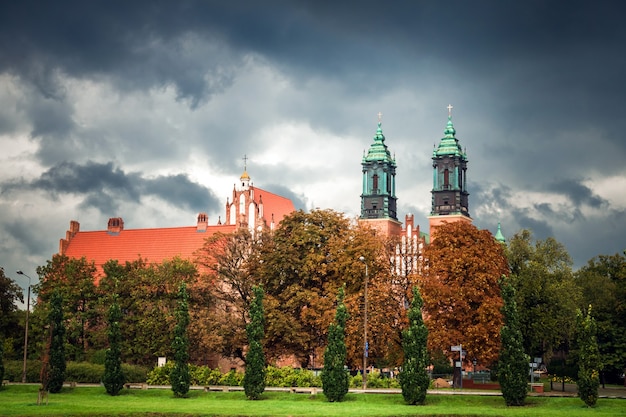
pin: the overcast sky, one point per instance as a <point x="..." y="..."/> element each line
<point x="145" y="109"/>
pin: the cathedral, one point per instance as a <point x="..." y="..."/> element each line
<point x="250" y="207"/>
<point x="257" y="209"/>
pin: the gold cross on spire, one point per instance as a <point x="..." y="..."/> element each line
<point x="449" y="110"/>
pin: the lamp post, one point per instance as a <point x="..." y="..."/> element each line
<point x="365" y="345"/>
<point x="26" y="327"/>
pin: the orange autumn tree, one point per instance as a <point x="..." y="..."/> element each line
<point x="459" y="284"/>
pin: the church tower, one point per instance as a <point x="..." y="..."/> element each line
<point x="378" y="199"/>
<point x="449" y="193"/>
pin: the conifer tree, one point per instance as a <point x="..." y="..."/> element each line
<point x="254" y="378"/>
<point x="114" y="378"/>
<point x="180" y="377"/>
<point x="513" y="362"/>
<point x="414" y="378"/>
<point x="589" y="364"/>
<point x="335" y="380"/>
<point x="57" y="344"/>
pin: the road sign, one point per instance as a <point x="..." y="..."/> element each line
<point x="456" y="348"/>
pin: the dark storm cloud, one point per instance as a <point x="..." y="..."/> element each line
<point x="105" y="186"/>
<point x="578" y="193"/>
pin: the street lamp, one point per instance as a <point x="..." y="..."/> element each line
<point x="365" y="345"/>
<point x="26" y="327"/>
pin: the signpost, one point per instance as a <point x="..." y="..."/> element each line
<point x="459" y="363"/>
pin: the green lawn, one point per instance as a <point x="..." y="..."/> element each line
<point x="21" y="400"/>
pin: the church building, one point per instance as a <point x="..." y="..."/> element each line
<point x="250" y="207"/>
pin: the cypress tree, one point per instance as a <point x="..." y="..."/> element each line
<point x="254" y="377"/>
<point x="114" y="378"/>
<point x="335" y="380"/>
<point x="414" y="379"/>
<point x="513" y="362"/>
<point x="589" y="364"/>
<point x="180" y="377"/>
<point x="57" y="344"/>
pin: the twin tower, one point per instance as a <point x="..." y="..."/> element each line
<point x="449" y="192"/>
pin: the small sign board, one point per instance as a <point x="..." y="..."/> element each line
<point x="456" y="348"/>
<point x="458" y="364"/>
<point x="537" y="360"/>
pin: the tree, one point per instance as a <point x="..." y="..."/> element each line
<point x="180" y="377"/>
<point x="459" y="285"/>
<point x="231" y="261"/>
<point x="603" y="285"/>
<point x="300" y="278"/>
<point x="57" y="347"/>
<point x="547" y="296"/>
<point x="335" y="380"/>
<point x="589" y="363"/>
<point x="148" y="299"/>
<point x="74" y="279"/>
<point x="254" y="378"/>
<point x="513" y="362"/>
<point x="114" y="378"/>
<point x="414" y="379"/>
<point x="11" y="333"/>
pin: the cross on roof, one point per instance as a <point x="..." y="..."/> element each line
<point x="380" y="117"/>
<point x="449" y="110"/>
<point x="245" y="162"/>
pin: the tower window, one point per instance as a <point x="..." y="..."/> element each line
<point x="375" y="183"/>
<point x="446" y="178"/>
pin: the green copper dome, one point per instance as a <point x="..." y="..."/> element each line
<point x="499" y="236"/>
<point x="449" y="144"/>
<point x="378" y="150"/>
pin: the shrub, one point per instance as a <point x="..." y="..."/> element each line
<point x="160" y="375"/>
<point x="231" y="379"/>
<point x="135" y="373"/>
<point x="84" y="372"/>
<point x="335" y="379"/>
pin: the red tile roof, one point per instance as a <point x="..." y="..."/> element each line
<point x="153" y="245"/>
<point x="273" y="204"/>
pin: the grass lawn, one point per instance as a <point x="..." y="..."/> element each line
<point x="21" y="400"/>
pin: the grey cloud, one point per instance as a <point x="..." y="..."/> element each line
<point x="578" y="193"/>
<point x="105" y="185"/>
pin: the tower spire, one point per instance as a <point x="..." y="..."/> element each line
<point x="449" y="193"/>
<point x="378" y="199"/>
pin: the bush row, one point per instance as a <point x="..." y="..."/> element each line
<point x="274" y="377"/>
<point x="81" y="372"/>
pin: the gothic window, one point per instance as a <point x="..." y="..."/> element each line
<point x="375" y="183"/>
<point x="446" y="179"/>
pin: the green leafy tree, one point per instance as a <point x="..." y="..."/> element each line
<point x="114" y="378"/>
<point x="254" y="378"/>
<point x="335" y="381"/>
<point x="589" y="363"/>
<point x="57" y="346"/>
<point x="11" y="332"/>
<point x="148" y="295"/>
<point x="180" y="377"/>
<point x="300" y="277"/>
<point x="603" y="284"/>
<point x="546" y="294"/>
<point x="75" y="280"/>
<point x="513" y="362"/>
<point x="414" y="379"/>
